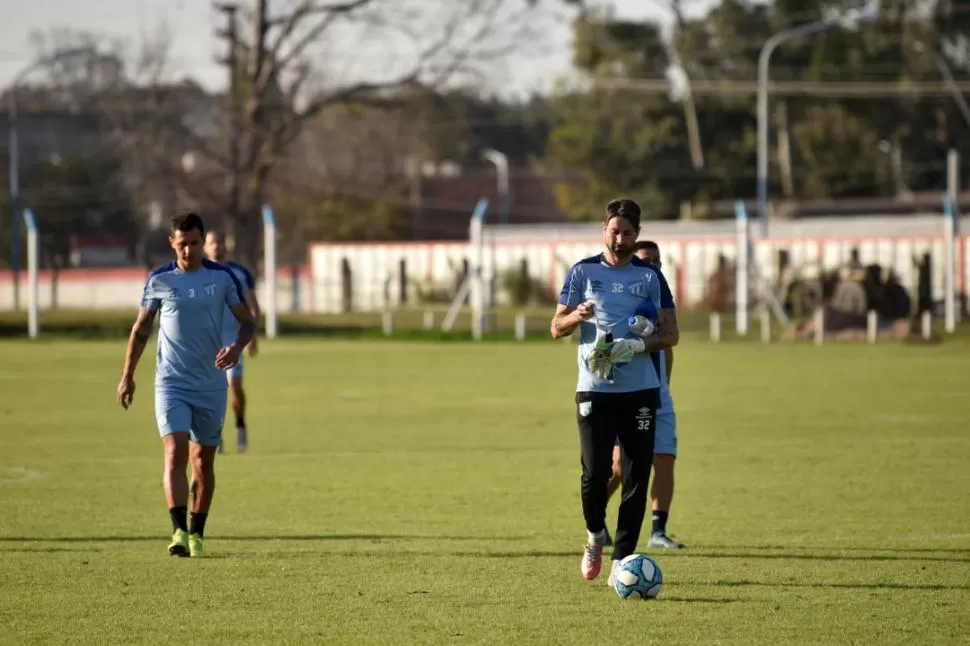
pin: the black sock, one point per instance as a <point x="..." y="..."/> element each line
<point x="660" y="522"/>
<point x="240" y="421"/>
<point x="179" y="515"/>
<point x="198" y="524"/>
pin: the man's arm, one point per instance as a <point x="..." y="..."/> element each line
<point x="250" y="296"/>
<point x="668" y="334"/>
<point x="571" y="310"/>
<point x="567" y="319"/>
<point x="669" y="360"/>
<point x="141" y="331"/>
<point x="247" y="324"/>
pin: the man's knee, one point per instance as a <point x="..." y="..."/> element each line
<point x="236" y="387"/>
<point x="203" y="458"/>
<point x="617" y="466"/>
<point x="663" y="462"/>
<point x="176" y="449"/>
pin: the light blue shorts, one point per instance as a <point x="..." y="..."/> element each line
<point x="665" y="439"/>
<point x="201" y="414"/>
<point x="665" y="442"/>
<point x="236" y="371"/>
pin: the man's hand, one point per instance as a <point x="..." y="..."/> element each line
<point x="585" y="311"/>
<point x="599" y="363"/>
<point x="624" y="350"/>
<point x="126" y="391"/>
<point x="228" y="357"/>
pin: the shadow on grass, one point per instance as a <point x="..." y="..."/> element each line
<point x="726" y="555"/>
<point x="814" y="548"/>
<point x="843" y="586"/>
<point x="283" y="537"/>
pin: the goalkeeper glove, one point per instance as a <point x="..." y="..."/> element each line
<point x="600" y="364"/>
<point x="598" y="361"/>
<point x="624" y="350"/>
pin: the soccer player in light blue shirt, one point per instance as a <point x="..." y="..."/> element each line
<point x="191" y="297"/>
<point x="215" y="249"/>
<point x="665" y="439"/>
<point x="618" y="389"/>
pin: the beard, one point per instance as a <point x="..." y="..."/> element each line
<point x="621" y="251"/>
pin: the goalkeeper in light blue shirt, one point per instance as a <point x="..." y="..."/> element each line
<point x="618" y="389"/>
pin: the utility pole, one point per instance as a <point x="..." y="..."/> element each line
<point x="231" y="61"/>
<point x="255" y="129"/>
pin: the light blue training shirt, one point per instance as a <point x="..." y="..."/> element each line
<point x="615" y="293"/>
<point x="192" y="307"/>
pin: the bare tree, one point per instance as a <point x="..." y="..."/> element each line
<point x="307" y="56"/>
<point x="140" y="109"/>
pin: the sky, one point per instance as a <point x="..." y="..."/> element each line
<point x="195" y="47"/>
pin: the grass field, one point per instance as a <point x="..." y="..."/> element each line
<point x="418" y="493"/>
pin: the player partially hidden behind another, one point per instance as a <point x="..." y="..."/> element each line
<point x="618" y="390"/>
<point x="192" y="295"/>
<point x="665" y="443"/>
<point x="215" y="249"/>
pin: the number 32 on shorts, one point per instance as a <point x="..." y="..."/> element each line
<point x="644" y="419"/>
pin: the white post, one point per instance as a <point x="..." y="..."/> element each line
<point x="472" y="287"/>
<point x="269" y="271"/>
<point x="429" y="319"/>
<point x="33" y="288"/>
<point x="949" y="242"/>
<point x="387" y="322"/>
<point x="872" y="326"/>
<point x="520" y="326"/>
<point x="715" y="327"/>
<point x="819" y="325"/>
<point x="742" y="273"/>
<point x="765" y="324"/>
<point x="477" y="270"/>
<point x="927" y="325"/>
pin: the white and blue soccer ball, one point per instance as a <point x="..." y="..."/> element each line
<point x="638" y="577"/>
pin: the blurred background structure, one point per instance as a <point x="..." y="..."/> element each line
<point x="374" y="127"/>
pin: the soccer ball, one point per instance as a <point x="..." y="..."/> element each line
<point x="638" y="577"/>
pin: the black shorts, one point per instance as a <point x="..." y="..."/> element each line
<point x="617" y="414"/>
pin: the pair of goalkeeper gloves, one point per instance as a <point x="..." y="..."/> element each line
<point x="607" y="353"/>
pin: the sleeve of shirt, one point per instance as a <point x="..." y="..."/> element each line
<point x="149" y="298"/>
<point x="234" y="293"/>
<point x="666" y="297"/>
<point x="250" y="283"/>
<point x="572" y="293"/>
<point x="655" y="290"/>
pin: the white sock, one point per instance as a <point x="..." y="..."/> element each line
<point x="598" y="537"/>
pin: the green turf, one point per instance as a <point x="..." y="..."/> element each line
<point x="418" y="493"/>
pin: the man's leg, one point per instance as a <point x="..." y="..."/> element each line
<point x="635" y="429"/>
<point x="237" y="400"/>
<point x="174" y="420"/>
<point x="613" y="485"/>
<point x="596" y="438"/>
<point x="207" y="420"/>
<point x="662" y="489"/>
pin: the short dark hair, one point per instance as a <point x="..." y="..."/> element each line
<point x="626" y="209"/>
<point x="648" y="245"/>
<point x="186" y="221"/>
